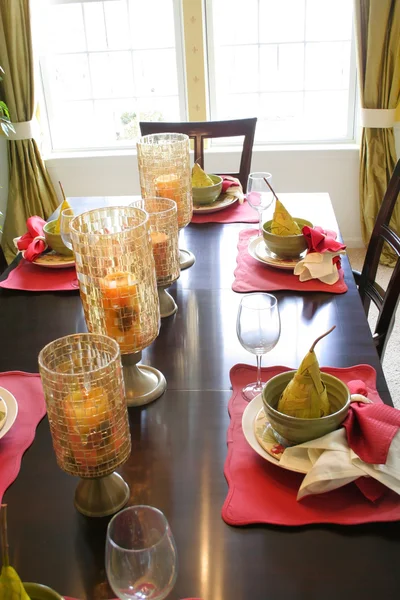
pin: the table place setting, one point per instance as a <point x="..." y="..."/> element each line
<point x="47" y="263"/>
<point x="23" y="396"/>
<point x="290" y="254"/>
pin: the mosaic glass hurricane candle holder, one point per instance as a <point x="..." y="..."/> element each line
<point x="164" y="241"/>
<point x="164" y="170"/>
<point x="84" y="391"/>
<point x="115" y="267"/>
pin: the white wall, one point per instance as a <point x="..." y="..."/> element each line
<point x="301" y="169"/>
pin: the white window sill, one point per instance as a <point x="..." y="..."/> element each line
<point x="118" y="152"/>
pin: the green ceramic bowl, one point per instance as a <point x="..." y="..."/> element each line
<point x="54" y="240"/>
<point x="286" y="246"/>
<point x="294" y="430"/>
<point x="36" y="591"/>
<point x="207" y="195"/>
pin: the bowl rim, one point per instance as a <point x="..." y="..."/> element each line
<point x="287" y="237"/>
<point x="306" y="420"/>
<point x="48" y="223"/>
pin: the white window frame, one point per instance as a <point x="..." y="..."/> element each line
<point x="128" y="144"/>
<point x="351" y="133"/>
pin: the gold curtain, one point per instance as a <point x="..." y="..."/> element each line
<point x="378" y="46"/>
<point x="30" y="189"/>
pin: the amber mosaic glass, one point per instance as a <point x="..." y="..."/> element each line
<point x="85" y="397"/>
<point x="115" y="267"/>
<point x="164" y="238"/>
<point x="164" y="170"/>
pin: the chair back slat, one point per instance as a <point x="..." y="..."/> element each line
<point x="199" y="131"/>
<point x="382" y="232"/>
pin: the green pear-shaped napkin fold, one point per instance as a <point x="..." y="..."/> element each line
<point x="282" y="222"/>
<point x="305" y="395"/>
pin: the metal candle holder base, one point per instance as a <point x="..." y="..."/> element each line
<point x="186" y="259"/>
<point x="102" y="496"/>
<point x="168" y="305"/>
<point x="143" y="384"/>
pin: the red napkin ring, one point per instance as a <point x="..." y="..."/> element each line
<point x="33" y="242"/>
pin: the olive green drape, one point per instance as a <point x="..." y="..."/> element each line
<point x="30" y="189"/>
<point x="378" y="46"/>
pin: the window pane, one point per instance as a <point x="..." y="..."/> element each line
<point x="152" y="24"/>
<point x="281" y="21"/>
<point x="231" y="30"/>
<point x="296" y="65"/>
<point x="327" y="65"/>
<point x="328" y="20"/>
<point x="119" y="56"/>
<point x="155" y="72"/>
<point x="282" y="67"/>
<point x="66" y="31"/>
<point x="69" y="77"/>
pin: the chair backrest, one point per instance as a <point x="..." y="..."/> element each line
<point x="386" y="301"/>
<point x="201" y="130"/>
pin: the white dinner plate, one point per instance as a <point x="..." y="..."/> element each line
<point x="12" y="410"/>
<point x="259" y="251"/>
<point x="214" y="206"/>
<point x="52" y="260"/>
<point x="248" y="426"/>
<point x="3" y="413"/>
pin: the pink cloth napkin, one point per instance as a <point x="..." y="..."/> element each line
<point x="321" y="240"/>
<point x="33" y="278"/>
<point x="370" y="429"/>
<point x="30" y="241"/>
<point x="27" y="390"/>
<point x="229" y="181"/>
<point x="236" y="213"/>
<point x="261" y="492"/>
<point x="252" y="276"/>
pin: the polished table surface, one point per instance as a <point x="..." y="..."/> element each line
<point x="179" y="441"/>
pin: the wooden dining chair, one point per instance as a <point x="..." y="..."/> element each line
<point x="201" y="130"/>
<point x="385" y="301"/>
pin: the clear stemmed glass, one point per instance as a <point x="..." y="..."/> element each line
<point x="66" y="217"/>
<point x="259" y="195"/>
<point x="258" y="329"/>
<point x="141" y="557"/>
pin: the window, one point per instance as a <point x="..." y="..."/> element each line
<point x="108" y="65"/>
<point x="289" y="62"/>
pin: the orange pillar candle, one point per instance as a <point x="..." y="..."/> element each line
<point x="168" y="186"/>
<point x="160" y="243"/>
<point x="121" y="304"/>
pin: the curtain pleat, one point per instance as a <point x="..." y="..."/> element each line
<point x="30" y="189"/>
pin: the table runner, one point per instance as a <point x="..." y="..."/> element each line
<point x="261" y="492"/>
<point x="27" y="390"/>
<point x="236" y="213"/>
<point x="31" y="278"/>
<point x="252" y="276"/>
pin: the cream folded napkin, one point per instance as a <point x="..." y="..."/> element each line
<point x="316" y="265"/>
<point x="330" y="463"/>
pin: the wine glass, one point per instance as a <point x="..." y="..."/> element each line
<point x="258" y="328"/>
<point x="141" y="557"/>
<point x="66" y="217"/>
<point x="259" y="195"/>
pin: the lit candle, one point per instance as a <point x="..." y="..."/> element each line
<point x="160" y="244"/>
<point x="169" y="186"/>
<point x="121" y="303"/>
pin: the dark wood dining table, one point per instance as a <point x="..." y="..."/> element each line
<point x="179" y="441"/>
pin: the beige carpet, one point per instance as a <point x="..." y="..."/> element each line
<point x="392" y="354"/>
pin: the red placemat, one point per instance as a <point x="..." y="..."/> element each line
<point x="261" y="492"/>
<point x="27" y="390"/>
<point x="252" y="276"/>
<point x="236" y="213"/>
<point x="31" y="278"/>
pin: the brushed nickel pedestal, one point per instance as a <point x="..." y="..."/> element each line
<point x="168" y="305"/>
<point x="186" y="259"/>
<point x="143" y="384"/>
<point x="102" y="496"/>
